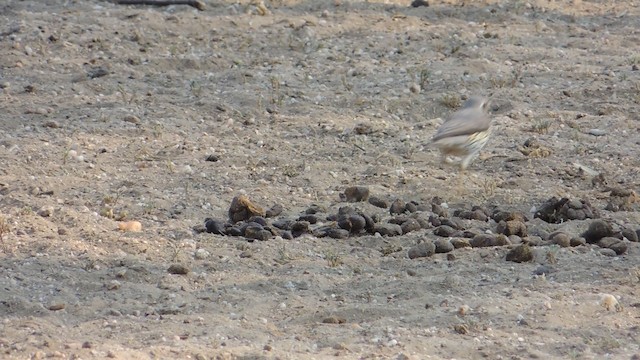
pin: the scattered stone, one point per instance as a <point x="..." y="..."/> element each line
<point x="454" y="222"/>
<point x="559" y="211"/>
<point x="300" y="227"/>
<point x="358" y="223"/>
<point x="629" y="235"/>
<point x="242" y="209"/>
<point x="543" y="270"/>
<point x="312" y="219"/>
<point x="597" y="230"/>
<point x="397" y="207"/>
<point x="418" y="3"/>
<point x="519" y="254"/>
<point x="57" y="306"/>
<point x="439" y="210"/>
<point x="378" y="202"/>
<point x="52" y="124"/>
<point x="178" y="269"/>
<point x="246" y="254"/>
<point x="46" y="211"/>
<point x="315" y="208"/>
<point x="130" y="226"/>
<point x="411" y="272"/>
<point x="577" y="241"/>
<point x="443" y="246"/>
<point x="424" y="249"/>
<point x="410" y="225"/>
<point x="487" y="240"/>
<point x="114" y="285"/>
<point x="274" y="211"/>
<point x="615" y="244"/>
<point x="560" y="238"/>
<point x="621" y="200"/>
<point x="411" y="207"/>
<point x="460" y="243"/>
<point x="201" y="254"/>
<point x="451" y="257"/>
<point x="212" y="158"/>
<point x="257" y="232"/>
<point x="500" y="215"/>
<point x="214" y="226"/>
<point x="512" y="227"/>
<point x="608" y="252"/>
<point x="534" y="241"/>
<point x="132" y="119"/>
<point x="515" y="239"/>
<point x="356" y="193"/>
<point x="97" y="72"/>
<point x="388" y="229"/>
<point x="444" y="231"/>
<point x="334" y="320"/>
<point x="335" y="233"/>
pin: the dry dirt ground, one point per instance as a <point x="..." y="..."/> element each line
<point x="111" y="111"/>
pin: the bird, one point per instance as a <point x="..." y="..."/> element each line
<point x="465" y="133"/>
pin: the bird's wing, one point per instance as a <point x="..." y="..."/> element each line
<point x="464" y="122"/>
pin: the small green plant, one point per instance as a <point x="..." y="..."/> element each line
<point x="424" y="78"/>
<point x="283" y="256"/>
<point x="4" y="230"/>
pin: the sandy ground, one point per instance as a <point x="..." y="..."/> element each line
<point x="111" y="112"/>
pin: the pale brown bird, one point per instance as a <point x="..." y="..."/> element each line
<point x="465" y="133"/>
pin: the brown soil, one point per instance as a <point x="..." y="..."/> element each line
<point x="109" y="112"/>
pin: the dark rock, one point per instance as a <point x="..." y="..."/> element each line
<point x="242" y="208"/>
<point x="424" y="222"/>
<point x="411" y="207"/>
<point x="214" y="226"/>
<point x="597" y="230"/>
<point x="500" y="215"/>
<point x="443" y="246"/>
<point x="314" y="209"/>
<point x="312" y="219"/>
<point x="378" y="202"/>
<point x="178" y="269"/>
<point x="335" y="233"/>
<point x="460" y="243"/>
<point x="486" y="240"/>
<point x="577" y="241"/>
<point x="258" y="220"/>
<point x="300" y="227"/>
<point x="556" y="210"/>
<point x="608" y="252"/>
<point x="630" y="235"/>
<point x="410" y="225"/>
<point x="424" y="249"/>
<point x="560" y="238"/>
<point x="451" y="257"/>
<point x="257" y="232"/>
<point x="444" y="230"/>
<point x="358" y="223"/>
<point x="418" y="3"/>
<point x="388" y="229"/>
<point x="356" y="193"/>
<point x="397" y="207"/>
<point x="543" y="270"/>
<point x="287" y="235"/>
<point x="533" y="241"/>
<point x="235" y="231"/>
<point x="283" y="224"/>
<point x="274" y="211"/>
<point x="617" y="245"/>
<point x="346" y="210"/>
<point x="519" y="254"/>
<point x="439" y="210"/>
<point x="454" y="222"/>
<point x="434" y="220"/>
<point x="515" y="239"/>
<point x="470" y="233"/>
<point x="512" y="227"/>
<point x="369" y="223"/>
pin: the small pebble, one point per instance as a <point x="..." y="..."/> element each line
<point x="178" y="269"/>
